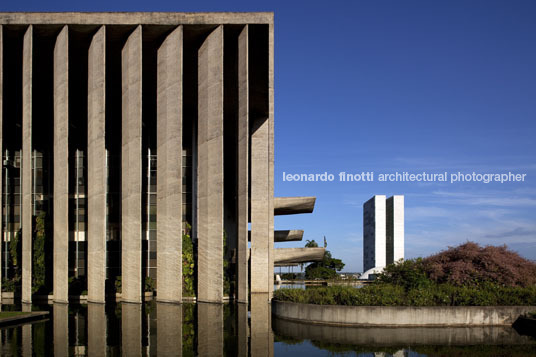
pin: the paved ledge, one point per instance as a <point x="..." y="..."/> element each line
<point x="391" y="316"/>
<point x="23" y="318"/>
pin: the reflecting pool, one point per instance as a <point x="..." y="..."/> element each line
<point x="159" y="329"/>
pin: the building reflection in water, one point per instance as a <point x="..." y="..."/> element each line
<point x="168" y="329"/>
<point x="203" y="329"/>
<point x="60" y="319"/>
<point x="131" y="327"/>
<point x="242" y="334"/>
<point x="262" y="338"/>
<point x="210" y="329"/>
<point x="96" y="330"/>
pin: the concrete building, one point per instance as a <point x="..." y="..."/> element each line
<point x="383" y="232"/>
<point x="121" y="130"/>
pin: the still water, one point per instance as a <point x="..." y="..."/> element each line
<point x="200" y="329"/>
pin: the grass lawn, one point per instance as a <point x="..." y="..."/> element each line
<point x="6" y="314"/>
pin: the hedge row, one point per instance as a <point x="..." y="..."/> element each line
<point x="393" y="295"/>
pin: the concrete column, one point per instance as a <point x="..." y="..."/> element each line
<point x="26" y="173"/>
<point x="271" y="151"/>
<point x="131" y="329"/>
<point x="1" y="140"/>
<point x="169" y="169"/>
<point x="61" y="329"/>
<point x="168" y="329"/>
<point x="96" y="326"/>
<point x="96" y="160"/>
<point x="262" y="203"/>
<point x="209" y="329"/>
<point x="260" y="209"/>
<point x="262" y="338"/>
<point x="243" y="165"/>
<point x="131" y="168"/>
<point x="61" y="167"/>
<point x="210" y="169"/>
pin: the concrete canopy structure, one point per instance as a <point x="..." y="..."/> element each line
<point x="383" y="232"/>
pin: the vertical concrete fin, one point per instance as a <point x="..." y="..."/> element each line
<point x="271" y="152"/>
<point x="26" y="174"/>
<point x="261" y="179"/>
<point x="1" y="137"/>
<point x="210" y="168"/>
<point x="97" y="173"/>
<point x="243" y="164"/>
<point x="131" y="168"/>
<point x="61" y="167"/>
<point x="169" y="168"/>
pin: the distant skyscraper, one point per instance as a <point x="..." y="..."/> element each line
<point x="383" y="231"/>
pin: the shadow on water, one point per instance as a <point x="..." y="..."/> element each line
<point x="159" y="329"/>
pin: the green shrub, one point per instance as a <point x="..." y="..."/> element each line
<point x="409" y="274"/>
<point x="383" y="294"/>
<point x="118" y="284"/>
<point x="150" y="284"/>
<point x="188" y="265"/>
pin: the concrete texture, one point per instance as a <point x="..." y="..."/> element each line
<point x="131" y="329"/>
<point x="1" y="132"/>
<point x="286" y="235"/>
<point x="136" y="18"/>
<point x="97" y="170"/>
<point x="298" y="255"/>
<point x="253" y="94"/>
<point x="260" y="209"/>
<point x="400" y="315"/>
<point x="131" y="168"/>
<point x="209" y="329"/>
<point x="401" y="336"/>
<point x="374" y="229"/>
<point x="60" y="321"/>
<point x="271" y="155"/>
<point x="26" y="172"/>
<point x="61" y="167"/>
<point x="293" y="205"/>
<point x="261" y="337"/>
<point x="168" y="329"/>
<point x="210" y="169"/>
<point x="169" y="169"/>
<point x="243" y="165"/>
<point x="96" y="330"/>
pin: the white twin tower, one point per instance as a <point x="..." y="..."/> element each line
<point x="383" y="233"/>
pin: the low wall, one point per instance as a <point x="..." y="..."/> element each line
<point x="399" y="315"/>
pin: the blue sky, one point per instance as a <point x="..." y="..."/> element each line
<point x="389" y="86"/>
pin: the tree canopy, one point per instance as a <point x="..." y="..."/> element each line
<point x="325" y="269"/>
